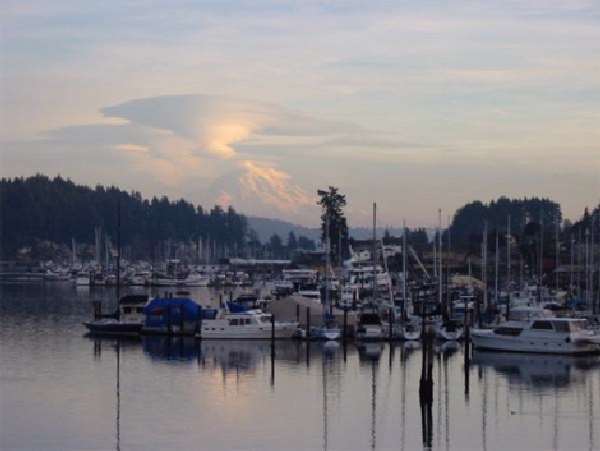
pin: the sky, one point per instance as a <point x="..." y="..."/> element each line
<point x="417" y="105"/>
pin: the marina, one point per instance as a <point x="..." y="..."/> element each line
<point x="68" y="391"/>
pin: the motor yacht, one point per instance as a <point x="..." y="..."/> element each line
<point x="128" y="320"/>
<point x="543" y="335"/>
<point x="249" y="324"/>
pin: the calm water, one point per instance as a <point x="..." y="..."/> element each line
<point x="60" y="390"/>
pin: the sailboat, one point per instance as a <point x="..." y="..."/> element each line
<point x="370" y="326"/>
<point x="329" y="329"/>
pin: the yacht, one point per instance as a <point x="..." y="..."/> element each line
<point x="313" y="295"/>
<point x="140" y="278"/>
<point x="128" y="320"/>
<point x="328" y="331"/>
<point x="409" y="330"/>
<point x="82" y="279"/>
<point x="195" y="280"/>
<point x="369" y="326"/>
<point x="449" y="330"/>
<point x="545" y="335"/>
<point x="249" y="324"/>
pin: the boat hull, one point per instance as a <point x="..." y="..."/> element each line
<point x="485" y="340"/>
<point x="247" y="333"/>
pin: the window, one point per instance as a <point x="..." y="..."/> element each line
<point x="562" y="326"/>
<point x="126" y="310"/>
<point x="509" y="331"/>
<point x="233" y="322"/>
<point x="139" y="310"/>
<point x="542" y="325"/>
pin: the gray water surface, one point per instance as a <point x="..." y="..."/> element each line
<point x="60" y="390"/>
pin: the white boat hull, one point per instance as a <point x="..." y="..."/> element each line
<point x="486" y="339"/>
<point x="258" y="332"/>
<point x="367" y="333"/>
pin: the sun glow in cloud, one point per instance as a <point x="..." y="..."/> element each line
<point x="273" y="187"/>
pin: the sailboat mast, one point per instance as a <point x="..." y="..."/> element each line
<point x="374" y="250"/>
<point x="484" y="265"/>
<point x="557" y="252"/>
<point x="404" y="250"/>
<point x="496" y="276"/>
<point x="118" y="249"/>
<point x="541" y="259"/>
<point x="508" y="253"/>
<point x="439" y="239"/>
<point x="327" y="261"/>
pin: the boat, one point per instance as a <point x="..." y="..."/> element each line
<point x="248" y="324"/>
<point x="408" y="330"/>
<point x="195" y="280"/>
<point x="128" y="320"/>
<point x="140" y="278"/>
<point x="542" y="335"/>
<point x="173" y="315"/>
<point x="449" y="330"/>
<point x="369" y="326"/>
<point x="313" y="295"/>
<point x="82" y="279"/>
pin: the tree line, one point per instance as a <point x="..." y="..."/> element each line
<point x="56" y="210"/>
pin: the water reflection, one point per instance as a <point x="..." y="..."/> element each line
<point x="84" y="393"/>
<point x="540" y="372"/>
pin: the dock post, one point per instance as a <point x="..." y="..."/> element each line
<point x="97" y="310"/>
<point x="298" y="313"/>
<point x="272" y="349"/>
<point x="308" y="323"/>
<point x="272" y="328"/>
<point x="390" y="325"/>
<point x="345" y="330"/>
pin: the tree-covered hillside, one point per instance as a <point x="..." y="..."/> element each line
<point x="56" y="210"/>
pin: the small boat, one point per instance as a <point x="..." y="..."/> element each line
<point x="328" y="331"/>
<point x="82" y="279"/>
<point x="449" y="330"/>
<point x="408" y="330"/>
<point x="195" y="280"/>
<point x="128" y="320"/>
<point x="313" y="295"/>
<point x="369" y="326"/>
<point x="547" y="335"/>
<point x="248" y="324"/>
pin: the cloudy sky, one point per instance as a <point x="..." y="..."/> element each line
<point x="418" y="105"/>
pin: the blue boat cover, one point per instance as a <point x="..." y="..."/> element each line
<point x="162" y="311"/>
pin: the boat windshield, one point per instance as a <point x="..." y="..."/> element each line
<point x="265" y="318"/>
<point x="370" y="318"/>
<point x="570" y="326"/>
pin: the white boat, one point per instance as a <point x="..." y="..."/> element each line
<point x="140" y="278"/>
<point x="408" y="330"/>
<point x="251" y="324"/>
<point x="195" y="280"/>
<point x="545" y="335"/>
<point x="82" y="279"/>
<point x="369" y="326"/>
<point x="313" y="295"/>
<point x="449" y="330"/>
<point x="325" y="332"/>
